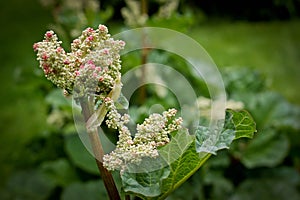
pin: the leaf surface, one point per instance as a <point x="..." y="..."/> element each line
<point x="79" y="154"/>
<point x="183" y="158"/>
<point x="241" y="122"/>
<point x="267" y="149"/>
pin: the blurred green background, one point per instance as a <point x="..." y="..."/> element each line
<point x="255" y="44"/>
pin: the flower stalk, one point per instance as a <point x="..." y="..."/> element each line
<point x="92" y="132"/>
<point x="91" y="73"/>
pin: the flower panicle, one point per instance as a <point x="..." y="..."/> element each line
<point x="93" y="67"/>
<point x="151" y="134"/>
<point x="93" y="64"/>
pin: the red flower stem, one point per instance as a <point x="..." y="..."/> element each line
<point x="87" y="111"/>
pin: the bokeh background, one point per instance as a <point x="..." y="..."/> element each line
<point x="255" y="44"/>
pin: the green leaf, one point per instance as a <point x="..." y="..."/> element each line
<point x="237" y="124"/>
<point x="79" y="154"/>
<point x="60" y="172"/>
<point x="286" y="174"/>
<point x="286" y="115"/>
<point x="270" y="109"/>
<point x="92" y="190"/>
<point x="184" y="161"/>
<point x="267" y="188"/>
<point x="29" y="185"/>
<point x="149" y="184"/>
<point x="221" y="188"/>
<point x="211" y="141"/>
<point x="179" y="143"/>
<point x="57" y="99"/>
<point x="241" y="122"/>
<point x="243" y="80"/>
<point x="183" y="168"/>
<point x="146" y="184"/>
<point x="267" y="149"/>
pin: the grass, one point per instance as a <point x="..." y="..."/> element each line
<point x="270" y="47"/>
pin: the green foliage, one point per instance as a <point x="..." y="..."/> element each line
<point x="181" y="169"/>
<point x="60" y="172"/>
<point x="266" y="189"/>
<point x="277" y="130"/>
<point x="211" y="141"/>
<point x="268" y="149"/>
<point x="280" y="183"/>
<point x="146" y="184"/>
<point x="241" y="122"/>
<point x="26" y="185"/>
<point x="179" y="22"/>
<point x="92" y="190"/>
<point x="79" y="154"/>
<point x="276" y="120"/>
<point x="40" y="149"/>
<point x="41" y="168"/>
<point x="183" y="159"/>
<point x="237" y="124"/>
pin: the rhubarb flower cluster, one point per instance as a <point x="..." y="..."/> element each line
<point x="151" y="134"/>
<point x="93" y="67"/>
<point x="93" y="64"/>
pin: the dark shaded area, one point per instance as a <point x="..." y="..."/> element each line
<point x="254" y="10"/>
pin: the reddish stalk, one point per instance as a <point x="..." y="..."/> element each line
<point x="87" y="111"/>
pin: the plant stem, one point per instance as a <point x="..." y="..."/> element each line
<point x="144" y="6"/>
<point x="144" y="56"/>
<point x="87" y="111"/>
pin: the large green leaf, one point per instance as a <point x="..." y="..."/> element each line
<point x="242" y="80"/>
<point x="241" y="122"/>
<point x="146" y="184"/>
<point x="220" y="186"/>
<point x="28" y="185"/>
<point x="180" y="142"/>
<point x="269" y="109"/>
<point x="211" y="141"/>
<point x="184" y="160"/>
<point x="286" y="115"/>
<point x="266" y="188"/>
<point x="92" y="190"/>
<point x="183" y="168"/>
<point x="60" y="172"/>
<point x="267" y="149"/>
<point x="190" y="161"/>
<point x="237" y="124"/>
<point x="193" y="187"/>
<point x="149" y="183"/>
<point x="57" y="99"/>
<point x="79" y="154"/>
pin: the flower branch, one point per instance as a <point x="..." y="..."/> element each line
<point x="91" y="73"/>
<point x="162" y="150"/>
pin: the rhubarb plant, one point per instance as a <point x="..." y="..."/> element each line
<point x="162" y="153"/>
